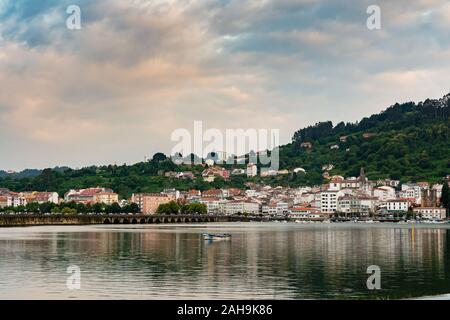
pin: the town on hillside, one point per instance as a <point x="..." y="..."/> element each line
<point x="341" y="198"/>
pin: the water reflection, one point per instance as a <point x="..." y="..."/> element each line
<point x="283" y="261"/>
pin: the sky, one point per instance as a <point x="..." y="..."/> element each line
<point x="115" y="90"/>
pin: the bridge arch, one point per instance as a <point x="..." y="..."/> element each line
<point x="116" y="221"/>
<point x="178" y="220"/>
<point x="134" y="221"/>
<point x="106" y="221"/>
<point x="142" y="221"/>
<point x="166" y="220"/>
<point x="157" y="220"/>
<point x="125" y="221"/>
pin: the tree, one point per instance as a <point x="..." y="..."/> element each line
<point x="168" y="208"/>
<point x="46" y="207"/>
<point x="97" y="208"/>
<point x="113" y="208"/>
<point x="158" y="157"/>
<point x="32" y="207"/>
<point x="194" y="208"/>
<point x="68" y="211"/>
<point x="81" y="208"/>
<point x="445" y="198"/>
<point x="56" y="210"/>
<point x="131" y="208"/>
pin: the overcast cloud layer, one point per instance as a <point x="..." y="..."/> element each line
<point x="114" y="91"/>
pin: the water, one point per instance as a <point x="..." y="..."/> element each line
<point x="261" y="261"/>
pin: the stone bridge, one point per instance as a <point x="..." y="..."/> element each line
<point x="34" y="220"/>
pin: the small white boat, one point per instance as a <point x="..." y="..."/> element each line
<point x="218" y="236"/>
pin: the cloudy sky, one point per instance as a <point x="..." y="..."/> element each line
<point x="114" y="91"/>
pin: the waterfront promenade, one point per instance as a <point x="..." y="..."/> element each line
<point x="35" y="220"/>
<point x="85" y="219"/>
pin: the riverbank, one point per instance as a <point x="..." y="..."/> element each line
<point x="42" y="220"/>
<point x="48" y="220"/>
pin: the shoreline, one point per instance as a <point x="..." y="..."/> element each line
<point x="10" y="221"/>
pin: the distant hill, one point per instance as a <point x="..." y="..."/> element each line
<point x="408" y="141"/>
<point x="27" y="173"/>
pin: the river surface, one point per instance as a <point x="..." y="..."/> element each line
<point x="261" y="261"/>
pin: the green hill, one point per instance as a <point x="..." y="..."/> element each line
<point x="407" y="141"/>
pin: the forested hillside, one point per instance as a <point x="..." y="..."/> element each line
<point x="407" y="141"/>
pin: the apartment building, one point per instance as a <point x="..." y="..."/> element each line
<point x="91" y="195"/>
<point x="399" y="205"/>
<point x="430" y="213"/>
<point x="235" y="207"/>
<point x="328" y="201"/>
<point x="149" y="202"/>
<point x="107" y="198"/>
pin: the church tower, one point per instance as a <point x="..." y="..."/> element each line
<point x="362" y="175"/>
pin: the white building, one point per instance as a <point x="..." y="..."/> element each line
<point x="237" y="172"/>
<point x="384" y="193"/>
<point x="303" y="212"/>
<point x="251" y="207"/>
<point x="212" y="204"/>
<point x="270" y="209"/>
<point x="398" y="205"/>
<point x="239" y="207"/>
<point x="388" y="182"/>
<point x="368" y="204"/>
<point x="430" y="213"/>
<point x="252" y="170"/>
<point x="348" y="205"/>
<point x="268" y="173"/>
<point x="12" y="200"/>
<point x="304" y="198"/>
<point x="276" y="208"/>
<point x="411" y="190"/>
<point x="172" y="192"/>
<point x="252" y="193"/>
<point x="328" y="201"/>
